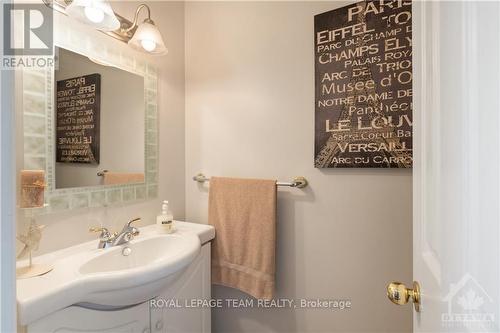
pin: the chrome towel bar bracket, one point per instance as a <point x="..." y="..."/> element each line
<point x="101" y="173"/>
<point x="298" y="182"/>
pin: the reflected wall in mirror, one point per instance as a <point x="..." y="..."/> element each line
<point x="99" y="117"/>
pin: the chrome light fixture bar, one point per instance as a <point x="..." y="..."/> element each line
<point x="143" y="36"/>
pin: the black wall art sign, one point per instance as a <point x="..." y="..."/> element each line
<point x="77" y="119"/>
<point x="363" y="61"/>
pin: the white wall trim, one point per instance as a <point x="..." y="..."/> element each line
<point x="7" y="201"/>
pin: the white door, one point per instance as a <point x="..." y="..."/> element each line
<point x="456" y="174"/>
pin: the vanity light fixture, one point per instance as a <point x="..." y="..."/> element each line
<point x="96" y="13"/>
<point x="143" y="36"/>
<point x="146" y="37"/>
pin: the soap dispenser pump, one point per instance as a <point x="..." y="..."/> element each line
<point x="165" y="220"/>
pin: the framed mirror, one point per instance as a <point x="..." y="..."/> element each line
<point x="99" y="120"/>
<point x="91" y="125"/>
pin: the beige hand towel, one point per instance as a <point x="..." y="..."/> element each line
<point x="243" y="212"/>
<point x="114" y="178"/>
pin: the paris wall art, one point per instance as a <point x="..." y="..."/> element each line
<point x="363" y="86"/>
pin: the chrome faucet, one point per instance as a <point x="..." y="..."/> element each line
<point x="107" y="239"/>
<point x="127" y="234"/>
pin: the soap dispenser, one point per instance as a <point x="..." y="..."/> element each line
<point x="165" y="220"/>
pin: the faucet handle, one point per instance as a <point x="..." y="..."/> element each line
<point x="131" y="229"/>
<point x="105" y="237"/>
<point x="132" y="221"/>
<point x="102" y="230"/>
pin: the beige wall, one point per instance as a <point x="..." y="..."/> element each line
<point x="250" y="113"/>
<point x="69" y="228"/>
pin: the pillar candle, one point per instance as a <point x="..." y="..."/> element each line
<point x="32" y="188"/>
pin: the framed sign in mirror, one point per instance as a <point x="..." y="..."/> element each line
<point x="94" y="119"/>
<point x="78" y="118"/>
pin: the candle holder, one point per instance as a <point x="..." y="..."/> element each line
<point x="31" y="241"/>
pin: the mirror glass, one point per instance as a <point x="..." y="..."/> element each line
<point x="99" y="123"/>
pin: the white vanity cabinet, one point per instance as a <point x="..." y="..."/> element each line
<point x="75" y="319"/>
<point x="176" y="311"/>
<point x="192" y="284"/>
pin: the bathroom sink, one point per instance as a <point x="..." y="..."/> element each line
<point x="135" y="272"/>
<point x="136" y="255"/>
<point x="114" y="277"/>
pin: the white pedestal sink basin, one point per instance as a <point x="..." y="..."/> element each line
<point x="106" y="278"/>
<point x="134" y="272"/>
<point x="139" y="254"/>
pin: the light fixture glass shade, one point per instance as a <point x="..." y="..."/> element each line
<point x="96" y="13"/>
<point x="147" y="38"/>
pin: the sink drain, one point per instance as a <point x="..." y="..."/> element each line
<point x="126" y="251"/>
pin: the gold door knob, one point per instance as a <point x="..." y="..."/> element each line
<point x="400" y="295"/>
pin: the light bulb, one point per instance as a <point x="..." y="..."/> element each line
<point x="94" y="14"/>
<point x="147" y="38"/>
<point x="148" y="45"/>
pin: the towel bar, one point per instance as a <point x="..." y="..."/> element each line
<point x="299" y="182"/>
<point x="101" y="173"/>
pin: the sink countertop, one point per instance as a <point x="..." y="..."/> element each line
<point x="204" y="231"/>
<point x="40" y="296"/>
